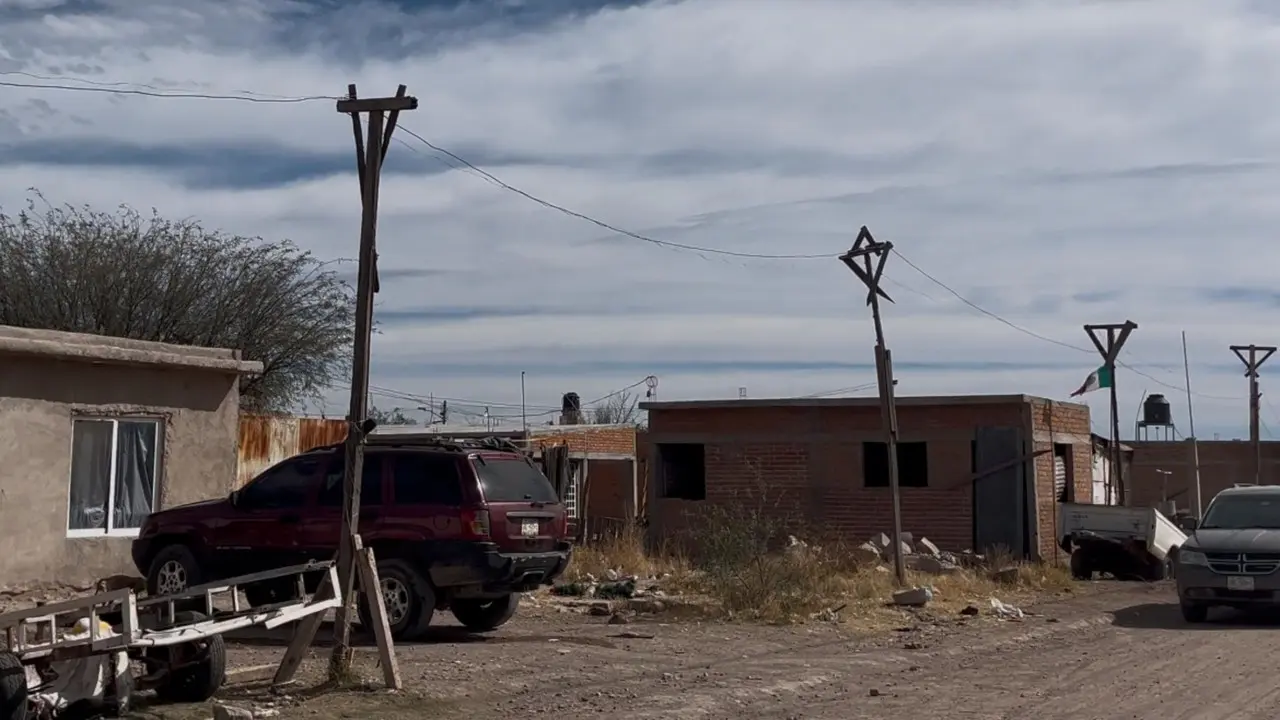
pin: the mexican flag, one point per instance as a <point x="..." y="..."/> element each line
<point x="1098" y="379"/>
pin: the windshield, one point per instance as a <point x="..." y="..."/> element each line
<point x="1242" y="512"/>
<point x="513" y="480"/>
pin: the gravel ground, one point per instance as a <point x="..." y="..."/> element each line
<point x="1110" y="650"/>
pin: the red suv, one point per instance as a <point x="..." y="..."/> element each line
<point x="460" y="524"/>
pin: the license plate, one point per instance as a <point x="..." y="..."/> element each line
<point x="1238" y="582"/>
<point x="529" y="529"/>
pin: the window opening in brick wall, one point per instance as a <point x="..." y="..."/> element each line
<point x="684" y="470"/>
<point x="913" y="464"/>
<point x="1063" y="488"/>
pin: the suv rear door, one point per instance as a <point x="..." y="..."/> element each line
<point x="524" y="513"/>
<point x="427" y="493"/>
<point x="323" y="524"/>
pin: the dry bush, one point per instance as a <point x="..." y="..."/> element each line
<point x="623" y="550"/>
<point x="743" y="562"/>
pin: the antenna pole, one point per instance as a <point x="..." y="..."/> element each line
<point x="866" y="259"/>
<point x="1115" y="335"/>
<point x="1258" y="354"/>
<point x="1191" y="424"/>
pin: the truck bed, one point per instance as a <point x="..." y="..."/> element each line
<point x="1145" y="525"/>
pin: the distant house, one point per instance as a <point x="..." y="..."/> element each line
<point x="976" y="471"/>
<point x="98" y="432"/>
<point x="1104" y="488"/>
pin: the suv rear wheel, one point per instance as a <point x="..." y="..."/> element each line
<point x="173" y="570"/>
<point x="408" y="597"/>
<point x="485" y="615"/>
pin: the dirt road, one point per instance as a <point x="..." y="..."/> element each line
<point x="1122" y="652"/>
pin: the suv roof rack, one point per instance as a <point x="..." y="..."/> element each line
<point x="442" y="442"/>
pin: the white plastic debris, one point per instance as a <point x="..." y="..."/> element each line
<point x="1005" y="611"/>
<point x="84" y="678"/>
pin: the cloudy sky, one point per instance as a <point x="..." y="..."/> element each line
<point x="1053" y="163"/>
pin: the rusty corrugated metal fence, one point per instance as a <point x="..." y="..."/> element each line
<point x="266" y="440"/>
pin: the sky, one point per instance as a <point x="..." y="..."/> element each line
<point x="1048" y="163"/>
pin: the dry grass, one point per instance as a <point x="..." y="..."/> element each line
<point x="743" y="572"/>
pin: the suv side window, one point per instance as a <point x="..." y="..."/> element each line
<point x="287" y="485"/>
<point x="370" y="482"/>
<point x="427" y="479"/>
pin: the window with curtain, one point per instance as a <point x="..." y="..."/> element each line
<point x="114" y="465"/>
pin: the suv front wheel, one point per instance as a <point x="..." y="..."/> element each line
<point x="173" y="570"/>
<point x="408" y="598"/>
<point x="485" y="615"/>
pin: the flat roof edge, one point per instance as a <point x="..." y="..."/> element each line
<point x="104" y="354"/>
<point x="917" y="401"/>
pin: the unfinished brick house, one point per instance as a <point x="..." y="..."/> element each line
<point x="1223" y="463"/>
<point x="976" y="471"/>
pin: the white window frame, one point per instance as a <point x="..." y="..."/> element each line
<point x="115" y="421"/>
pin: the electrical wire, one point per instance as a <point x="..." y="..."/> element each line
<point x="1045" y="338"/>
<point x="601" y="223"/>
<point x="119" y="88"/>
<point x="110" y="90"/>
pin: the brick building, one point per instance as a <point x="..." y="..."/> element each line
<point x="1223" y="463"/>
<point x="975" y="471"/>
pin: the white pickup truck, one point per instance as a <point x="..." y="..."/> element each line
<point x="1127" y="543"/>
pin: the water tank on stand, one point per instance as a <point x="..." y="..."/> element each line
<point x="1156" y="411"/>
<point x="570" y="409"/>
<point x="1157" y="419"/>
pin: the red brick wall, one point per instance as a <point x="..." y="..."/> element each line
<point x="608" y="495"/>
<point x="602" y="439"/>
<point x="807" y="462"/>
<point x="1223" y="463"/>
<point x="1068" y="424"/>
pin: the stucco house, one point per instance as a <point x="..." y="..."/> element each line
<point x="95" y="434"/>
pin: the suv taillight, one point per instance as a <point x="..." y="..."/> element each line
<point x="476" y="524"/>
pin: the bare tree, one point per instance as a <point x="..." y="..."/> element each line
<point x="620" y="409"/>
<point x="394" y="416"/>
<point x="145" y="277"/>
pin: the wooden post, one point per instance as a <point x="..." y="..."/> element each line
<point x="866" y="259"/>
<point x="303" y="635"/>
<point x="369" y="156"/>
<point x="378" y="615"/>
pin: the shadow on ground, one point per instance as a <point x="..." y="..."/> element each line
<point x="443" y="635"/>
<point x="1167" y="616"/>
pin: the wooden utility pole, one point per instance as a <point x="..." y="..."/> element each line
<point x="866" y="259"/>
<point x="1116" y="334"/>
<point x="370" y="153"/>
<point x="1258" y="354"/>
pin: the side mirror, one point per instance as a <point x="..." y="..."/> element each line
<point x="1188" y="523"/>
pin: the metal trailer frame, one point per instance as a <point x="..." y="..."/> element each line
<point x="37" y="635"/>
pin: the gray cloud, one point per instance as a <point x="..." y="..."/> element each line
<point x="1058" y="163"/>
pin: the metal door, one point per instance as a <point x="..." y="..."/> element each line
<point x="999" y="498"/>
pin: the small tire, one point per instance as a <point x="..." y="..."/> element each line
<point x="174" y="569"/>
<point x="485" y="615"/>
<point x="409" y="599"/>
<point x="1194" y="613"/>
<point x="1080" y="569"/>
<point x="13" y="687"/>
<point x="201" y="680"/>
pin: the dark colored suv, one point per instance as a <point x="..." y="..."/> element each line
<point x="462" y="525"/>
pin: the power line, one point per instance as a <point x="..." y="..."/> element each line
<point x="110" y="90"/>
<point x="841" y="391"/>
<point x="1045" y="338"/>
<point x="118" y="88"/>
<point x="600" y="223"/>
<point x="598" y="400"/>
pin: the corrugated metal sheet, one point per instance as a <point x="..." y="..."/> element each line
<point x="266" y="440"/>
